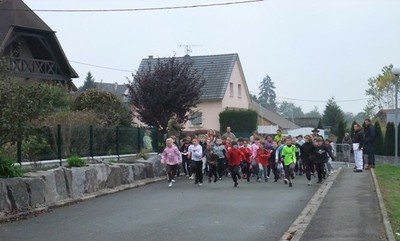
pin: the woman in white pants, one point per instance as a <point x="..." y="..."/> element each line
<point x="358" y="140"/>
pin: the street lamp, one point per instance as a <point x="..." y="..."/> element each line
<point x="396" y="73"/>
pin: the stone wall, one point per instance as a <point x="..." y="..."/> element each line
<point x="47" y="188"/>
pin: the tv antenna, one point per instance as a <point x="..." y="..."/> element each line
<point x="188" y="47"/>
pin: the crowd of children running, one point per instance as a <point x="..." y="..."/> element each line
<point x="258" y="157"/>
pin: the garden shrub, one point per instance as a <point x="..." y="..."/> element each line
<point x="75" y="161"/>
<point x="8" y="168"/>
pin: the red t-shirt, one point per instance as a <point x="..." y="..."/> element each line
<point x="246" y="153"/>
<point x="235" y="156"/>
<point x="263" y="157"/>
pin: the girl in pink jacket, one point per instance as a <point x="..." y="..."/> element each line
<point x="172" y="157"/>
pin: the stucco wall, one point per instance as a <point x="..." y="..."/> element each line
<point x="236" y="101"/>
<point x="210" y="118"/>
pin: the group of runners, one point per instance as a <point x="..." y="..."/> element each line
<point x="259" y="158"/>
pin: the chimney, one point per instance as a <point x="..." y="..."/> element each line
<point x="150" y="56"/>
<point x="116" y="86"/>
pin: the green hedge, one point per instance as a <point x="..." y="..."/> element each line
<point x="238" y="120"/>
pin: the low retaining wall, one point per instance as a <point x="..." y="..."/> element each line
<point x="47" y="188"/>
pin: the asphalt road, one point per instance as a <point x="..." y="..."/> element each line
<point x="187" y="212"/>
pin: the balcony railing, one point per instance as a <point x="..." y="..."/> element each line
<point x="34" y="66"/>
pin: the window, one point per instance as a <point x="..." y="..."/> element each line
<point x="239" y="90"/>
<point x="230" y="89"/>
<point x="197" y="119"/>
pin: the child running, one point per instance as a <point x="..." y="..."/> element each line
<point x="211" y="159"/>
<point x="234" y="157"/>
<point x="246" y="162"/>
<point x="172" y="157"/>
<point x="289" y="160"/>
<point x="196" y="154"/>
<point x="321" y="153"/>
<point x="262" y="157"/>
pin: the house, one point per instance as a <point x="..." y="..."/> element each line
<point x="31" y="48"/>
<point x="225" y="88"/>
<point x="269" y="122"/>
<point x="315" y="122"/>
<point x="388" y="115"/>
<point x="121" y="91"/>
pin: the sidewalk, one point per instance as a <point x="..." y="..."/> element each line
<point x="349" y="212"/>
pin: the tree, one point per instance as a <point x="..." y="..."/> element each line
<point x="341" y="130"/>
<point x="313" y="113"/>
<point x="332" y="116"/>
<point x="381" y="90"/>
<point x="379" y="141"/>
<point x="167" y="87"/>
<point x="110" y="110"/>
<point x="89" y="82"/>
<point x="21" y="104"/>
<point x="253" y="97"/>
<point x="267" y="94"/>
<point x="289" y="110"/>
<point x="389" y="139"/>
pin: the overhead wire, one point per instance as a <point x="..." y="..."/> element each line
<point x="315" y="101"/>
<point x="138" y="9"/>
<point x="102" y="67"/>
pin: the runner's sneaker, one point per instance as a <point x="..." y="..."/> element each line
<point x="173" y="180"/>
<point x="285" y="181"/>
<point x="170" y="184"/>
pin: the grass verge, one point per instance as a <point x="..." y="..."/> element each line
<point x="389" y="182"/>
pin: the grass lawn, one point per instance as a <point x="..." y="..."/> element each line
<point x="389" y="182"/>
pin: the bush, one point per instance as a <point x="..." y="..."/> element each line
<point x="8" y="168"/>
<point x="238" y="120"/>
<point x="75" y="161"/>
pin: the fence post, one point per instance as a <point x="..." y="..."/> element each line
<point x="59" y="144"/>
<point x="19" y="151"/>
<point x="117" y="141"/>
<point x="91" y="141"/>
<point x="138" y="139"/>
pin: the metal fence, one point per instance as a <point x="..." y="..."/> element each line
<point x="62" y="141"/>
<point x="344" y="153"/>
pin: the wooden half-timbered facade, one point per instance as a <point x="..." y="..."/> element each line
<point x="30" y="47"/>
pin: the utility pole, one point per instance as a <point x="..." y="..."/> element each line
<point x="396" y="73"/>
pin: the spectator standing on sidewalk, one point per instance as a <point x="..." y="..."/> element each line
<point x="358" y="141"/>
<point x="229" y="134"/>
<point x="346" y="148"/>
<point x="174" y="129"/>
<point x="369" y="139"/>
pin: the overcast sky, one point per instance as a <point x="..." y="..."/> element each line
<point x="312" y="49"/>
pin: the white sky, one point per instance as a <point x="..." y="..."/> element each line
<point x="312" y="49"/>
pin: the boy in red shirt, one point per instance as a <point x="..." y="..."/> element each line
<point x="246" y="162"/>
<point x="234" y="156"/>
<point x="262" y="158"/>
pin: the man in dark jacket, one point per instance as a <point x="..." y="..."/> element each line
<point x="358" y="141"/>
<point x="369" y="138"/>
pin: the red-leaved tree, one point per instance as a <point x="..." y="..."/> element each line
<point x="164" y="87"/>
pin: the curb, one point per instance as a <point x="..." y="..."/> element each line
<point x="386" y="223"/>
<point x="35" y="211"/>
<point x="296" y="230"/>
